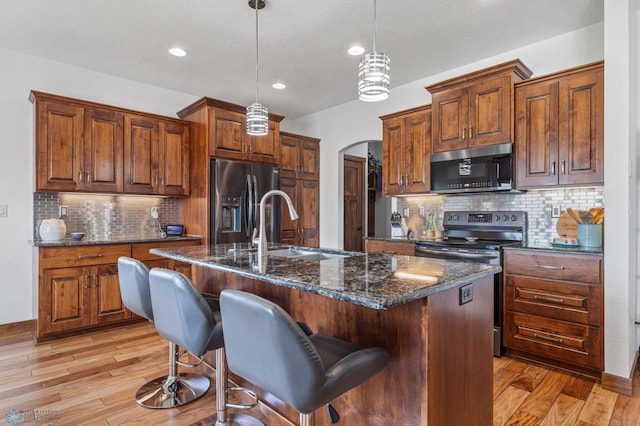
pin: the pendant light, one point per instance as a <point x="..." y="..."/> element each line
<point x="257" y="114"/>
<point x="373" y="72"/>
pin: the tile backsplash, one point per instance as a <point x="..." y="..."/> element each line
<point x="104" y="216"/>
<point x="537" y="203"/>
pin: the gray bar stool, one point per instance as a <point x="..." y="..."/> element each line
<point x="268" y="348"/>
<point x="174" y="389"/>
<point x="182" y="315"/>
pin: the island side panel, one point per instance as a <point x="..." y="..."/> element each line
<point x="460" y="372"/>
<point x="397" y="395"/>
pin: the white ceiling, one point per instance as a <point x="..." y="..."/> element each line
<point x="302" y="42"/>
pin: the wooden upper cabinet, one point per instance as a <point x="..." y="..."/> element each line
<point x="141" y="155"/>
<point x="560" y="129"/>
<point x="265" y="149"/>
<point x="156" y="156"/>
<point x="299" y="157"/>
<point x="406" y="150"/>
<point x="227" y="133"/>
<point x="230" y="139"/>
<point x="103" y="158"/>
<point x="174" y="158"/>
<point x="59" y="130"/>
<point x="85" y="146"/>
<point x="476" y="109"/>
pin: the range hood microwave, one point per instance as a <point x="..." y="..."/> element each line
<point x="480" y="169"/>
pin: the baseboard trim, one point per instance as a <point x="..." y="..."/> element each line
<point x="619" y="384"/>
<point x="18" y="327"/>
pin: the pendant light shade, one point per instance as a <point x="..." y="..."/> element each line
<point x="257" y="120"/>
<point x="373" y="73"/>
<point x="374" y="77"/>
<point x="257" y="114"/>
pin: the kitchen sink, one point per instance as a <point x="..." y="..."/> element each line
<point x="294" y="253"/>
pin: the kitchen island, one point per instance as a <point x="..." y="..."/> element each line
<point x="435" y="317"/>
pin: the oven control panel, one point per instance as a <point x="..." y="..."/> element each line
<point x="489" y="218"/>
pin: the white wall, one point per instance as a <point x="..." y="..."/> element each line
<point x="18" y="75"/>
<point x="620" y="129"/>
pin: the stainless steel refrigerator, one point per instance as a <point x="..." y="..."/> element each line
<point x="236" y="190"/>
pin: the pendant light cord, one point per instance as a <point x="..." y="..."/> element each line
<point x="375" y="24"/>
<point x="257" y="62"/>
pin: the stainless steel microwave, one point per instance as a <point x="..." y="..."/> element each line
<point x="482" y="169"/>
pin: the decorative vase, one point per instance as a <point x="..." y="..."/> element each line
<point x="52" y="229"/>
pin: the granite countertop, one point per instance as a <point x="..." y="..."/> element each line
<point x="88" y="241"/>
<point x="374" y="280"/>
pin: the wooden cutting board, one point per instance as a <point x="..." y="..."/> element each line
<point x="567" y="226"/>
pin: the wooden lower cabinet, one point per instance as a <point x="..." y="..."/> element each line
<point x="554" y="308"/>
<point x="405" y="248"/>
<point x="79" y="290"/>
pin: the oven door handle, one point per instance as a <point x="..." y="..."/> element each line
<point x="457" y="254"/>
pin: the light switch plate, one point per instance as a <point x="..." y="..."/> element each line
<point x="4" y="210"/>
<point x="555" y="211"/>
<point x="62" y="211"/>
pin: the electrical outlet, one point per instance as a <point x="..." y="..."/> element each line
<point x="421" y="211"/>
<point x="154" y="212"/>
<point x="466" y="294"/>
<point x="62" y="211"/>
<point x="4" y="210"/>
<point x="555" y="211"/>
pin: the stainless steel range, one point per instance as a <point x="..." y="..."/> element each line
<point x="479" y="237"/>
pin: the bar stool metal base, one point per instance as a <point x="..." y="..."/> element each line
<point x="232" y="420"/>
<point x="187" y="388"/>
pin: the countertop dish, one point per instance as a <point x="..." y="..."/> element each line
<point x="374" y="280"/>
<point x="88" y="241"/>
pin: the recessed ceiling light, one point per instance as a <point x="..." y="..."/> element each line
<point x="356" y="50"/>
<point x="176" y="51"/>
<point x="279" y="86"/>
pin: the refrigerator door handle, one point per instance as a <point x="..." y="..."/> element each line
<point x="249" y="206"/>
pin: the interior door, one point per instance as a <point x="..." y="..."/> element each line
<point x="354" y="168"/>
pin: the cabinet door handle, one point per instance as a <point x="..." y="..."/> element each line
<point x="155" y="181"/>
<point x="81" y="176"/>
<point x="90" y="256"/>
<point x="553" y="168"/>
<point x="86" y="281"/>
<point x="95" y="281"/>
<point x="548" y="299"/>
<point x="470" y="132"/>
<point x="563" y="167"/>
<point x="407" y="180"/>
<point x="464" y="129"/>
<point x="162" y="182"/>
<point x="555" y="268"/>
<point x="549" y="338"/>
<point x="88" y="177"/>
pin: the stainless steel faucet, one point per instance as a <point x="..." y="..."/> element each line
<point x="262" y="236"/>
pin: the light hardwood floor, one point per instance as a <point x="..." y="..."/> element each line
<point x="92" y="379"/>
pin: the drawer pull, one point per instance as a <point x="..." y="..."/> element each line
<point x="549" y="338"/>
<point x="548" y="299"/>
<point x="555" y="268"/>
<point x="90" y="256"/>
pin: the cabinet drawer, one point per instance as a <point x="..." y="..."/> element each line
<point x="560" y="300"/>
<point x="583" y="268"/>
<point x="563" y="341"/>
<point x="140" y="251"/>
<point x="64" y="257"/>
